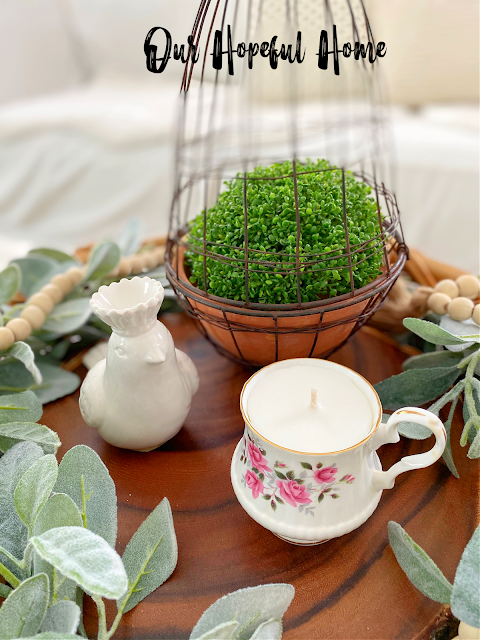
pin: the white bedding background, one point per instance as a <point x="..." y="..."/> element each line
<point x="87" y="134"/>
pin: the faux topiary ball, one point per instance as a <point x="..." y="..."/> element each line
<point x="272" y="233"/>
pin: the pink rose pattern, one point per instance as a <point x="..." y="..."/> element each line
<point x="285" y="486"/>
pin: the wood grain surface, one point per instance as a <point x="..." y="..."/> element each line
<point x="350" y="588"/>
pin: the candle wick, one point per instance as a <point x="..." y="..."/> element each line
<point x="313" y="397"/>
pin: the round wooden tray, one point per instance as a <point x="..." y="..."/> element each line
<point x="350" y="588"/>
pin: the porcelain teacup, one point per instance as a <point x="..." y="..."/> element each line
<point x="307" y="498"/>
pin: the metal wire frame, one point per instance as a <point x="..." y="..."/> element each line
<point x="213" y="312"/>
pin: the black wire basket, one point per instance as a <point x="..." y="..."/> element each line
<point x="246" y="137"/>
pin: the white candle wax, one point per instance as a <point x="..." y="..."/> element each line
<point x="309" y="408"/>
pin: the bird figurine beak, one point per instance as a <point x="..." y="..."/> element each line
<point x="156" y="356"/>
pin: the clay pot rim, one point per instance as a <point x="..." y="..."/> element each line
<point x="179" y="280"/>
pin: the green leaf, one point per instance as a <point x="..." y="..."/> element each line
<point x="34" y="488"/>
<point x="306" y="465"/>
<point x="130" y="239"/>
<point x="280" y="475"/>
<point x="413" y="431"/>
<point x="15" y="462"/>
<point x="56" y="382"/>
<point x="422" y="572"/>
<point x="59" y="511"/>
<point x="431" y="332"/>
<point x="104" y="257"/>
<point x="249" y="607"/>
<point x="321" y="497"/>
<point x="68" y="317"/>
<point x="474" y="450"/>
<point x="85" y="558"/>
<point x="442" y="358"/>
<point x="23" y="352"/>
<point x="34" y="271"/>
<point x="13" y="432"/>
<point x="22" y="612"/>
<point x="9" y="283"/>
<point x="62" y="617"/>
<point x="20" y="407"/>
<point x="291" y="475"/>
<point x="224" y="631"/>
<point x="4" y="590"/>
<point x="83" y="476"/>
<point x="53" y="254"/>
<point x="465" y="601"/>
<point x="415" y="386"/>
<point x="50" y="635"/>
<point x="269" y="630"/>
<point x="151" y="555"/>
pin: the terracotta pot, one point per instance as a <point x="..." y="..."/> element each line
<point x="276" y="335"/>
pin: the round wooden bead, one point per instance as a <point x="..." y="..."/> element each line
<point x="114" y="272"/>
<point x="53" y="291"/>
<point x="43" y="301"/>
<point x="467" y="632"/>
<point x="449" y="287"/>
<point x="159" y="254"/>
<point x="476" y="314"/>
<point x="20" y="328"/>
<point x="468" y="286"/>
<point x="33" y="315"/>
<point x="150" y="260"/>
<point x="138" y="264"/>
<point x="62" y="282"/>
<point x="125" y="267"/>
<point x="438" y="302"/>
<point x="460" y="309"/>
<point x="7" y="338"/>
<point x="74" y="274"/>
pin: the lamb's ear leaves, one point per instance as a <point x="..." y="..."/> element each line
<point x="85" y="558"/>
<point x="104" y="257"/>
<point x="422" y="572"/>
<point x="68" y="317"/>
<point x="56" y="382"/>
<point x="23" y="352"/>
<point x="15" y="462"/>
<point x="62" y="617"/>
<point x="20" y="407"/>
<point x="269" y="630"/>
<point x="442" y="358"/>
<point x="415" y="386"/>
<point x="152" y="549"/>
<point x="250" y="607"/>
<point x="34" y="270"/>
<point x="59" y="511"/>
<point x="12" y="433"/>
<point x="34" y="488"/>
<point x="431" y="332"/>
<point x="83" y="476"/>
<point x="51" y="635"/>
<point x="224" y="631"/>
<point x="10" y="279"/>
<point x="465" y="601"/>
<point x="4" y="590"/>
<point x="23" y="611"/>
<point x="130" y="239"/>
<point x="52" y="254"/>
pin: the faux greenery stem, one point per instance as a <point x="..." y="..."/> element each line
<point x="8" y="575"/>
<point x="469" y="399"/>
<point x="102" y="618"/>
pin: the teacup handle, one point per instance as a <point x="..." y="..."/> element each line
<point x="388" y="433"/>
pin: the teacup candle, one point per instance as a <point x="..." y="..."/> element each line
<point x="306" y="467"/>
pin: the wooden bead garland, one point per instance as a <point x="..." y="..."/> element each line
<point x="456" y="298"/>
<point x="41" y="303"/>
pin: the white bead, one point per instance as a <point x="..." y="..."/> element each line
<point x="468" y="286"/>
<point x="53" y="291"/>
<point x="62" y="281"/>
<point x="7" y="338"/>
<point x="438" y="302"/>
<point x="20" y="328"/>
<point x="460" y="309"/>
<point x="34" y="316"/>
<point x="476" y="314"/>
<point x="447" y="286"/>
<point x="43" y="301"/>
<point x="466" y="632"/>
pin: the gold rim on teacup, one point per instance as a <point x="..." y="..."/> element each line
<point x="306" y="453"/>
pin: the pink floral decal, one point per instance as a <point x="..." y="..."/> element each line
<point x="303" y="488"/>
<point x="258" y="461"/>
<point x="325" y="475"/>
<point x="254" y="483"/>
<point x="293" y="493"/>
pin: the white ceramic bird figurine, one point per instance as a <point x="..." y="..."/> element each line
<point x="138" y="396"/>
